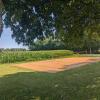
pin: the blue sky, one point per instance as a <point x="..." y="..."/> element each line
<point x="6" y="40"/>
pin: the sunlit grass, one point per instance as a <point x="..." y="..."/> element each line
<point x="6" y="69"/>
<point x="90" y="55"/>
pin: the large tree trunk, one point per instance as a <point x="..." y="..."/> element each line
<point x="1" y="22"/>
<point x="90" y="51"/>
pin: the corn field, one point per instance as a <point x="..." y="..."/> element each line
<point x="18" y="56"/>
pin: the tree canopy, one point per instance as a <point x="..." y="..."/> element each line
<point x="39" y="19"/>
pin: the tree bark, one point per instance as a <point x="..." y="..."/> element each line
<point x="1" y="22"/>
<point x="90" y="51"/>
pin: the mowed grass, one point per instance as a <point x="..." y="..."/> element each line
<point x="89" y="55"/>
<point x="19" y="56"/>
<point x="76" y="84"/>
<point x="6" y="69"/>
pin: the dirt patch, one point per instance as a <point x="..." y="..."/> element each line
<point x="56" y="65"/>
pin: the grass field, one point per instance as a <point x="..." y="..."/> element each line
<point x="78" y="84"/>
<point x="19" y="56"/>
<point x="90" y="55"/>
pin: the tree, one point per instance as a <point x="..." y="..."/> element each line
<point x="39" y="19"/>
<point x="1" y="14"/>
<point x="47" y="44"/>
<point x="91" y="41"/>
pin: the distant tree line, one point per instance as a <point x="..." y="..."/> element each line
<point x="86" y="46"/>
<point x="12" y="49"/>
<point x="48" y="44"/>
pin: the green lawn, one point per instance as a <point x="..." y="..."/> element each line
<point x="90" y="55"/>
<point x="78" y="84"/>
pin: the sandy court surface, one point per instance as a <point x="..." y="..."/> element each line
<point x="56" y="65"/>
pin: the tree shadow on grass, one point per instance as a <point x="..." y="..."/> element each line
<point x="28" y="86"/>
<point x="45" y="86"/>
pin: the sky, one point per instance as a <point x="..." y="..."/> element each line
<point x="6" y="40"/>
